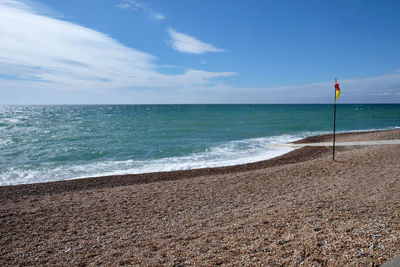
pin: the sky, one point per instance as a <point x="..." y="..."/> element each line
<point x="194" y="52"/>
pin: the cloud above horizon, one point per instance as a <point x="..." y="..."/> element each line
<point x="187" y="44"/>
<point x="39" y="51"/>
<point x="384" y="88"/>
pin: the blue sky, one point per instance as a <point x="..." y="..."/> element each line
<point x="209" y="51"/>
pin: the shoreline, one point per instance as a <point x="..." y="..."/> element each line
<point x="321" y="136"/>
<point x="298" y="209"/>
<point x="294" y="156"/>
<point x="54" y="187"/>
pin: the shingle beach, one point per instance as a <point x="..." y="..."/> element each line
<point x="299" y="209"/>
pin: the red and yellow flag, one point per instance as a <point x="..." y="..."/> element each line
<point x="337" y="89"/>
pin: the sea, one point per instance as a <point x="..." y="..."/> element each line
<point x="61" y="142"/>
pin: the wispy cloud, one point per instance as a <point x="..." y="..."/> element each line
<point x="188" y="44"/>
<point x="135" y="6"/>
<point x="178" y="41"/>
<point x="42" y="52"/>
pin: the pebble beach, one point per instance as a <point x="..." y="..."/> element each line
<point x="298" y="209"/>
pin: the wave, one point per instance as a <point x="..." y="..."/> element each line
<point x="227" y="154"/>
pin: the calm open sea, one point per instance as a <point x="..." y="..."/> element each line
<point x="48" y="143"/>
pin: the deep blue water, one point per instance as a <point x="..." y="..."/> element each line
<point x="47" y="143"/>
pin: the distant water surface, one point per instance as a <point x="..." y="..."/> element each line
<point x="48" y="143"/>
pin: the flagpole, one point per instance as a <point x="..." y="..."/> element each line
<point x="334" y="122"/>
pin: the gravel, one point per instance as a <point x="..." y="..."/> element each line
<point x="300" y="209"/>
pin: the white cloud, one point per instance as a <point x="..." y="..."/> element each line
<point x="188" y="44"/>
<point x="38" y="51"/>
<point x="135" y="5"/>
<point x="159" y="16"/>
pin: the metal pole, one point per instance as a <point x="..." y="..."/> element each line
<point x="334" y="122"/>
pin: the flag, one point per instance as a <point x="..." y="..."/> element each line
<point x="337" y="90"/>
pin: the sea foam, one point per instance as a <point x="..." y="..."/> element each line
<point x="227" y="154"/>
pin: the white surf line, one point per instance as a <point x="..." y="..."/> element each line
<point x="357" y="143"/>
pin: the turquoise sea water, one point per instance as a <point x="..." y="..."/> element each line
<point x="47" y="143"/>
